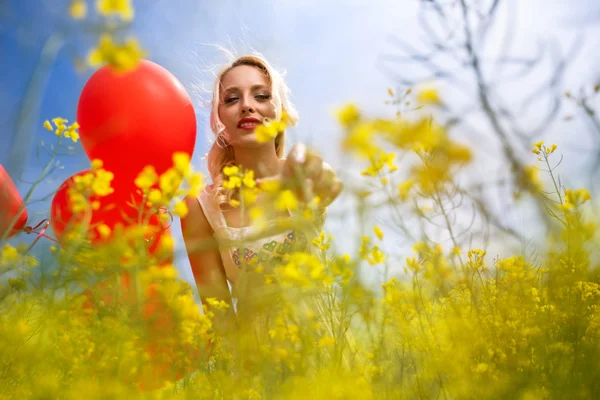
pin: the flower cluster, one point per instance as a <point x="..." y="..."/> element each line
<point x="440" y="157"/>
<point x="172" y="185"/>
<point x="60" y="128"/>
<point x="90" y="185"/>
<point x="122" y="9"/>
<point x="121" y="56"/>
<point x="270" y="129"/>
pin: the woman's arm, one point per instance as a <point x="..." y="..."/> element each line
<point x="206" y="263"/>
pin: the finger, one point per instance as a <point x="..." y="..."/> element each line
<point x="336" y="188"/>
<point x="295" y="160"/>
<point x="298" y="154"/>
<point x="326" y="179"/>
<point x="307" y="190"/>
<point x="313" y="166"/>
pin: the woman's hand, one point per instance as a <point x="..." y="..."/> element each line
<point x="311" y="176"/>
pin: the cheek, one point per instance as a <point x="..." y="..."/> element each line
<point x="226" y="116"/>
<point x="268" y="110"/>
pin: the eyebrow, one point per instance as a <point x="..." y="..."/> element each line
<point x="254" y="87"/>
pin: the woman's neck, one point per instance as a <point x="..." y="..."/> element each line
<point x="263" y="160"/>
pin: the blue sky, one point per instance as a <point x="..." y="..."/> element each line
<point x="330" y="49"/>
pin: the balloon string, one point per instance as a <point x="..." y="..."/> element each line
<point x="43" y="225"/>
<point x="164" y="209"/>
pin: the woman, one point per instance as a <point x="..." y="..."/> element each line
<point x="247" y="92"/>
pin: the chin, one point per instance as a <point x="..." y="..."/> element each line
<point x="248" y="140"/>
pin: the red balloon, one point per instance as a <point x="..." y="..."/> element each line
<point x="134" y="119"/>
<point x="113" y="209"/>
<point x="13" y="215"/>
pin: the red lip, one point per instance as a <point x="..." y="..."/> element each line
<point x="244" y="120"/>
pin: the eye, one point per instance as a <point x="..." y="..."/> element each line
<point x="230" y="100"/>
<point x="265" y="96"/>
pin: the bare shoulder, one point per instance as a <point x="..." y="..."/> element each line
<point x="195" y="222"/>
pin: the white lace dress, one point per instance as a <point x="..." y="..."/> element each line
<point x="244" y="246"/>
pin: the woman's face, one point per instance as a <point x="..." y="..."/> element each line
<point x="245" y="101"/>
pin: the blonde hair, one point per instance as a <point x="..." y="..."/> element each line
<point x="221" y="153"/>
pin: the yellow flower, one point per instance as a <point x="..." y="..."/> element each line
<point x="574" y="198"/>
<point x="476" y="259"/>
<point x="249" y="179"/>
<point x="78" y="9"/>
<point x="286" y="201"/>
<point x="376" y="256"/>
<point x="249" y="196"/>
<point x="217" y="304"/>
<point x="147" y="178"/>
<point x="62" y="129"/>
<point x="232" y="183"/>
<point x="322" y="241"/>
<point x="180" y="209"/>
<point x="8" y="254"/>
<point x="155" y="197"/>
<point x="231" y="170"/>
<point x="531" y="178"/>
<point x="537" y="147"/>
<point x="195" y="184"/>
<point x="58" y="121"/>
<point x="404" y="188"/>
<point x="166" y="243"/>
<point x="348" y="115"/>
<point x="270" y="186"/>
<point x="234" y="203"/>
<point x="97" y="164"/>
<point x="378" y="161"/>
<point x="72" y="132"/>
<point x="121" y="57"/>
<point x="101" y="54"/>
<point x="122" y="8"/>
<point x="181" y="161"/>
<point x="361" y="140"/>
<point x="551" y="149"/>
<point x="269" y="131"/>
<point x="169" y="181"/>
<point x="101" y="183"/>
<point x="104" y="230"/>
<point x="481" y="367"/>
<point x="458" y="154"/>
<point x="17" y="284"/>
<point x="378" y="232"/>
<point x="258" y="218"/>
<point x="365" y="247"/>
<point x="429" y="96"/>
<point x="326" y="341"/>
<point x="413" y="264"/>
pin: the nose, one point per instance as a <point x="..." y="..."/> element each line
<point x="247" y="106"/>
<point x="247" y="109"/>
